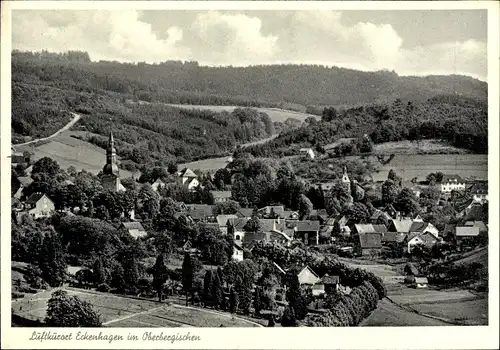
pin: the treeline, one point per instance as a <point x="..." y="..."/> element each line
<point x="177" y="82"/>
<point x="463" y="122"/>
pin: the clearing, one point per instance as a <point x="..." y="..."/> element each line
<point x="406" y="306"/>
<point x="69" y="151"/>
<point x="422" y="147"/>
<point x="276" y="114"/>
<point x="121" y="311"/>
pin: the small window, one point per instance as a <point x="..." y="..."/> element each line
<point x="238" y="237"/>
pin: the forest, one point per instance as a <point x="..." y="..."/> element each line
<point x="463" y="122"/>
<point x="273" y="85"/>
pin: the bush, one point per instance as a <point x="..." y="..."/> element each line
<point x="64" y="310"/>
<point x="103" y="287"/>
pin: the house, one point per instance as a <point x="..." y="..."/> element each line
<point x="237" y="252"/>
<point x="308" y="277"/>
<point x="380" y="216"/>
<point x="307" y="231"/>
<point x="272" y="211"/>
<point x="158" y="184"/>
<point x="420" y="282"/>
<point x="38" y="205"/>
<point x="466" y="232"/>
<point x="368" y="228"/>
<point x="482" y="226"/>
<point x="369" y="243"/>
<point x="476" y="212"/>
<point x="401" y="226"/>
<point x="423" y="227"/>
<point x="331" y="283"/>
<point x="308" y="152"/>
<point x="392" y="238"/>
<point x="200" y="212"/>
<point x="221" y="196"/>
<point x="389" y="209"/>
<point x="222" y="221"/>
<point x="479" y="191"/>
<point x="416" y="238"/>
<point x="451" y="183"/>
<point x="28" y="170"/>
<point x="24" y="182"/>
<point x="188" y="178"/>
<point x="134" y="228"/>
<point x="235" y="227"/>
<point x="244" y="213"/>
<point x="20" y="158"/>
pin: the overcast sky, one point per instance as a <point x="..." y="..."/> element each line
<point x="409" y="42"/>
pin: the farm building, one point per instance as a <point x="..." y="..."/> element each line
<point x="188" y="178"/>
<point x="331" y="283"/>
<point x="308" y="152"/>
<point x="307" y="231"/>
<point x="38" y="205"/>
<point x="200" y="212"/>
<point x="426" y="239"/>
<point x="419" y="282"/>
<point x="466" y="232"/>
<point x="401" y="226"/>
<point x="424" y="227"/>
<point x="135" y="229"/>
<point x="221" y="196"/>
<point x="451" y="183"/>
<point x="369" y="243"/>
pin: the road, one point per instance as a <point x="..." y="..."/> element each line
<point x="76" y="118"/>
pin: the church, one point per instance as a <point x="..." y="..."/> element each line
<point x="110" y="173"/>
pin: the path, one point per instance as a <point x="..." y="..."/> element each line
<point x="76" y="117"/>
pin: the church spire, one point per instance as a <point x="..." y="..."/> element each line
<point x="111" y="167"/>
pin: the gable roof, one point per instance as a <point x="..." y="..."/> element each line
<point x="379" y="213"/>
<point x="479" y="188"/>
<point x="186" y="172"/>
<point x="467" y="231"/>
<point x="370" y="228"/>
<point x="277" y="209"/>
<point x="25" y="180"/>
<point x="35" y="197"/>
<point x="477" y="212"/>
<point x="452" y="178"/>
<point x="279" y="268"/>
<point x="396" y="237"/>
<point x="244" y="212"/>
<point x="370" y="240"/>
<point x="482" y="226"/>
<point x="307" y="226"/>
<point x="421" y="280"/>
<point x="327" y="279"/>
<point x="133" y="225"/>
<point x="221" y="194"/>
<point x="268" y="225"/>
<point x="223" y="219"/>
<point x="426" y="238"/>
<point x="199" y="211"/>
<point x="238" y="223"/>
<point x="401" y="225"/>
<point x="418" y="226"/>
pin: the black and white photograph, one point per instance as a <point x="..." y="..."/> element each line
<point x="246" y="168"/>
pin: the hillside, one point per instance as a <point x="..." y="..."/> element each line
<point x="273" y="85"/>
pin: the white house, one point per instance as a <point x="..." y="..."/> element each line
<point x="451" y="183"/>
<point x="237" y="252"/>
<point x="479" y="192"/>
<point x="38" y="205"/>
<point x="308" y="277"/>
<point x="157" y="185"/>
<point x="188" y="178"/>
<point x="308" y="152"/>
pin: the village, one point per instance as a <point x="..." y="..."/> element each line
<point x="217" y="231"/>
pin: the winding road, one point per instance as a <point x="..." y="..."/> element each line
<point x="76" y="118"/>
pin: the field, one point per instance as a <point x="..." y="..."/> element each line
<point x="120" y="311"/>
<point x="276" y="114"/>
<point x="406" y="306"/>
<point x="424" y="146"/>
<point x="420" y="165"/>
<point x="69" y="151"/>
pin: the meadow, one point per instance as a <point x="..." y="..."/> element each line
<point x="118" y="311"/>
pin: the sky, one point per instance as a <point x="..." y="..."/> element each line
<point x="416" y="42"/>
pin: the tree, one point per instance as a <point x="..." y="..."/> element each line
<point x="305" y="206"/>
<point x="229" y="207"/>
<point x="252" y="225"/>
<point x="160" y="276"/>
<point x="207" y="288"/>
<point x="51" y="260"/>
<point x="233" y="301"/>
<point x="99" y="272"/>
<point x="295" y="296"/>
<point x="187" y="275"/>
<point x="131" y="271"/>
<point x="288" y="319"/>
<point x="358" y="213"/>
<point x="257" y="301"/>
<point x="217" y="291"/>
<point x="392" y="176"/>
<point x="406" y="202"/>
<point x="46" y="165"/>
<point x="389" y="191"/>
<point x="117" y="276"/>
<point x="69" y="311"/>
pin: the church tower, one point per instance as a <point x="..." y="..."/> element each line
<point x="345" y="179"/>
<point x="110" y="172"/>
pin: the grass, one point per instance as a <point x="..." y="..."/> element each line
<point x="423" y="147"/>
<point x="471" y="312"/>
<point x="69" y="151"/>
<point x="409" y="166"/>
<point x="276" y="114"/>
<point x="132" y="312"/>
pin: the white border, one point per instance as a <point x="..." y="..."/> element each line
<point x="318" y="338"/>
